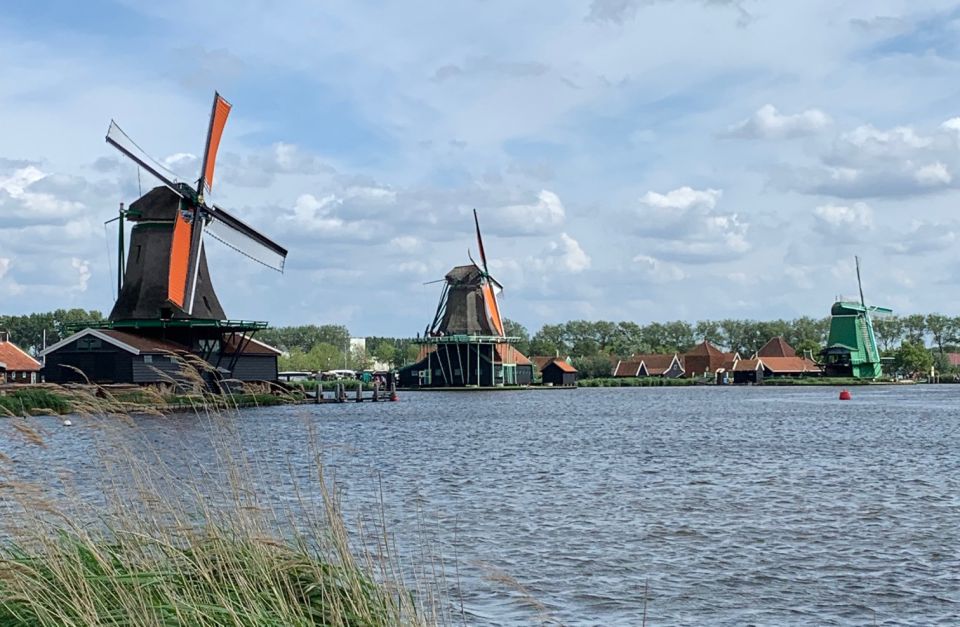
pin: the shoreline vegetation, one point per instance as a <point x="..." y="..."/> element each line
<point x="54" y="400"/>
<point x="170" y="541"/>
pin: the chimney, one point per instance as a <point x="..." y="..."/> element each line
<point x="4" y="336"/>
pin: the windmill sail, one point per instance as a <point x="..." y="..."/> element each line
<point x="122" y="142"/>
<point x="179" y="268"/>
<point x="218" y="119"/>
<point x="490" y="286"/>
<point x="245" y="240"/>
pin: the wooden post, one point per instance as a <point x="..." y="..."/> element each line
<point x="319" y="395"/>
<point x="376" y="391"/>
<point x="359" y="391"/>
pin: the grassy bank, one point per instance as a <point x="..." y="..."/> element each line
<point x="54" y="400"/>
<point x="170" y="541"/>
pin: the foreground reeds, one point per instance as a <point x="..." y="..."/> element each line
<point x="177" y="543"/>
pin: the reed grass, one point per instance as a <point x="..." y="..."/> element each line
<point x="171" y="543"/>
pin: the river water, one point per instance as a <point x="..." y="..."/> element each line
<point x="694" y="506"/>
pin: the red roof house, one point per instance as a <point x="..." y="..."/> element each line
<point x="16" y="366"/>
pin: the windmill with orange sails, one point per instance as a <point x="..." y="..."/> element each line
<point x="466" y="344"/>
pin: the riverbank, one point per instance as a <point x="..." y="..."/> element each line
<point x="171" y="541"/>
<point x="55" y="400"/>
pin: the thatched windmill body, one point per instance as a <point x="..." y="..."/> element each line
<point x="466" y="344"/>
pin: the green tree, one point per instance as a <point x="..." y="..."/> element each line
<point x="592" y="366"/>
<point x="551" y="339"/>
<point x="942" y="329"/>
<point x="305" y="337"/>
<point x="915" y="328"/>
<point x="515" y="329"/>
<point x="888" y="330"/>
<point x="913" y="359"/>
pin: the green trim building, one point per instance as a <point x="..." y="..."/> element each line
<point x="852" y="346"/>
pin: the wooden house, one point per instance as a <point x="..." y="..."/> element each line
<point x="558" y="372"/>
<point x="16" y="365"/>
<point x="112" y="356"/>
<point x="653" y="365"/>
<point x="706" y="359"/>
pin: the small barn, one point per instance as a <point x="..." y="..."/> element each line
<point x="113" y="356"/>
<point x="559" y="373"/>
<point x="16" y="365"/>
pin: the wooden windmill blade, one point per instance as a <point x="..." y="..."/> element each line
<point x="490" y="286"/>
<point x="245" y="239"/>
<point x="122" y="142"/>
<point x="218" y="120"/>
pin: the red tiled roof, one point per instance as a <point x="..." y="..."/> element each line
<point x="777" y="347"/>
<point x="783" y="365"/>
<point x="705" y="348"/>
<point x="746" y="365"/>
<point x="542" y="360"/>
<point x="510" y="355"/>
<point x="16" y="359"/>
<point x="657" y="364"/>
<point x="627" y="367"/>
<point x="562" y="365"/>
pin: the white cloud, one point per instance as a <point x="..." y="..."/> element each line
<point x="683" y="226"/>
<point x="545" y="215"/>
<point x="82" y="266"/>
<point x="683" y="198"/>
<point x="934" y="174"/>
<point x="406" y="244"/>
<point x="858" y="215"/>
<point x="768" y="123"/>
<point x="4" y="266"/>
<point x="656" y="271"/>
<point x="569" y="252"/>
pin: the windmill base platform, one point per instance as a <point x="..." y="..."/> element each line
<point x="467" y="362"/>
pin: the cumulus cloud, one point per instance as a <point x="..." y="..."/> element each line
<point x="82" y="266"/>
<point x="924" y="238"/>
<point x="843" y="223"/>
<point x="868" y="162"/>
<point x="545" y="215"/>
<point x="30" y="196"/>
<point x="567" y="251"/>
<point x="654" y="270"/>
<point x="683" y="225"/>
<point x="312" y="217"/>
<point x="4" y="266"/>
<point x="768" y="123"/>
<point x="260" y="169"/>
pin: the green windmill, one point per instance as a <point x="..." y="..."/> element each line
<point x="852" y="347"/>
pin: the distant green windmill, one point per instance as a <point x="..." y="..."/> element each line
<point x="852" y="347"/>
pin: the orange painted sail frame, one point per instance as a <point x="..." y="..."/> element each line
<point x="218" y="120"/>
<point x="180" y="245"/>
<point x="493" y="308"/>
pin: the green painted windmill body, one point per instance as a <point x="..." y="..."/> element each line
<point x="851" y="346"/>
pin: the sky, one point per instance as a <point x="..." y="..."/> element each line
<point x="642" y="160"/>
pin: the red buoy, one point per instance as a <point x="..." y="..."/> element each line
<point x="845" y="395"/>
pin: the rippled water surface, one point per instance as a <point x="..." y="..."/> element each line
<point x="706" y="506"/>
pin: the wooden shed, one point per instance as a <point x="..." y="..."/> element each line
<point x="559" y="373"/>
